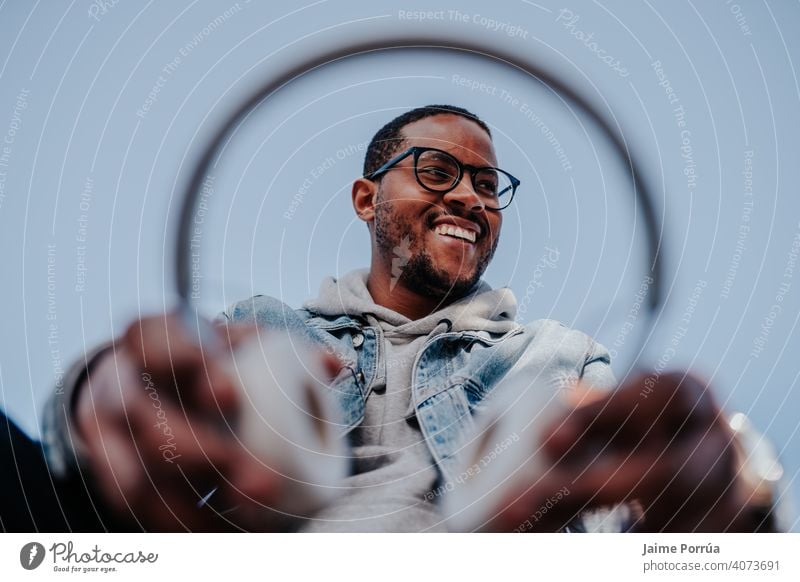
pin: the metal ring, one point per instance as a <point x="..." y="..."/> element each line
<point x="642" y="194"/>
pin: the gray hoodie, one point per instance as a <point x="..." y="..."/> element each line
<point x="393" y="469"/>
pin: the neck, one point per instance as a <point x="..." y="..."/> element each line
<point x="400" y="298"/>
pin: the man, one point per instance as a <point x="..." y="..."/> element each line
<point x="420" y="343"/>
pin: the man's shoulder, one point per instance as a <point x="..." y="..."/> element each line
<point x="551" y="343"/>
<point x="553" y="327"/>
<point x="265" y="311"/>
<point x="553" y="334"/>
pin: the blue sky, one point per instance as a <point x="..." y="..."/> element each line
<point x="102" y="111"/>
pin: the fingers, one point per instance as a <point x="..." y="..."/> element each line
<point x="332" y="365"/>
<point x="700" y="489"/>
<point x="233" y="334"/>
<point x="661" y="442"/>
<point x="160" y="457"/>
<point x="159" y="417"/>
<point x="685" y="486"/>
<point x="159" y="344"/>
<point x="183" y="369"/>
<point x="144" y="446"/>
<point x="631" y="416"/>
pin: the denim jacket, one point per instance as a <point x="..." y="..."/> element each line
<point x="453" y="374"/>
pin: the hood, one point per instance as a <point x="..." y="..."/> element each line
<point x="485" y="309"/>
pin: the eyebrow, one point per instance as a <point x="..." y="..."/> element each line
<point x="442" y="155"/>
<point x="483" y="164"/>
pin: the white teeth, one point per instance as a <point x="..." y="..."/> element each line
<point x="455" y="231"/>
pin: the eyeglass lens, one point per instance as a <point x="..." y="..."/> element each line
<point x="439" y="171"/>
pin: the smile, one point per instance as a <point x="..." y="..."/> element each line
<point x="455" y="231"/>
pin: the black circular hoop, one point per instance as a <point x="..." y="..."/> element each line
<point x="643" y="197"/>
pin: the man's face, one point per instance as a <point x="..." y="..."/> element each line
<point x="411" y="223"/>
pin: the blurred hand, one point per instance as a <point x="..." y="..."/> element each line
<point x="668" y="449"/>
<point x="158" y="416"/>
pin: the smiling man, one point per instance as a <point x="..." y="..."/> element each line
<point x="421" y="341"/>
<point x="438" y="202"/>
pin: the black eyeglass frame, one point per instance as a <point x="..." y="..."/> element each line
<point x="417" y="151"/>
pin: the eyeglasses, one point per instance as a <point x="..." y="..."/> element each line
<point x="438" y="171"/>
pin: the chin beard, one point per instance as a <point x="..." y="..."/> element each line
<point x="414" y="268"/>
<point x="421" y="274"/>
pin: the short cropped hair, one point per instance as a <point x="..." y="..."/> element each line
<point x="387" y="141"/>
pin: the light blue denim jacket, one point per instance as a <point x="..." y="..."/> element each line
<point x="453" y="373"/>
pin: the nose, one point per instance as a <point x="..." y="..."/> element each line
<point x="464" y="195"/>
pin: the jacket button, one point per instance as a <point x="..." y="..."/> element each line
<point x="360" y="377"/>
<point x="358" y="339"/>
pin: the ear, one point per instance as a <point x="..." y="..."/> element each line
<point x="364" y="192"/>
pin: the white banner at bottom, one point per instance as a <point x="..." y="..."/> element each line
<point x="388" y="557"/>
